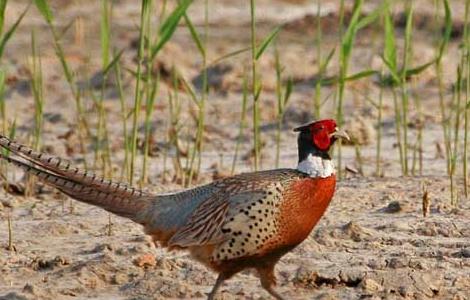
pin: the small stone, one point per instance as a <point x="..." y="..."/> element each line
<point x="119" y="279"/>
<point x="122" y="251"/>
<point x="418" y="265"/>
<point x="137" y="249"/>
<point x="465" y="252"/>
<point x="145" y="260"/>
<point x="102" y="248"/>
<point x="53" y="117"/>
<point x="376" y="264"/>
<point x="305" y="277"/>
<point x="404" y="291"/>
<point x="396" y="263"/>
<point x="30" y="288"/>
<point x="355" y="231"/>
<point x="352" y="276"/>
<point x="393" y="207"/>
<point x="370" y="285"/>
<point x="39" y="263"/>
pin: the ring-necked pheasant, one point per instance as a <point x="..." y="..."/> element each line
<point x="246" y="221"/>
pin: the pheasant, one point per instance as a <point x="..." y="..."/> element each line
<point x="245" y="221"/>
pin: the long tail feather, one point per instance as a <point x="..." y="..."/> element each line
<point x="59" y="166"/>
<point x="80" y="185"/>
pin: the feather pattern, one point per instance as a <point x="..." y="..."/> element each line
<point x="64" y="168"/>
<point x="79" y="184"/>
<point x="229" y="217"/>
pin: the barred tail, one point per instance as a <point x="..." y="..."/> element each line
<point x="114" y="197"/>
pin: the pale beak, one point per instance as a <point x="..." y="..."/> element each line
<point x="339" y="133"/>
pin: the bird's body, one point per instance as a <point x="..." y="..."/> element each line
<point x="246" y="221"/>
<point x="250" y="214"/>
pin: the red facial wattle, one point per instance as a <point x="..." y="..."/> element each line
<point x="321" y="140"/>
<point x="321" y="132"/>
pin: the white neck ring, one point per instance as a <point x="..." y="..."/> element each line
<point x="316" y="166"/>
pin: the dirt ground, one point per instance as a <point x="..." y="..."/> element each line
<point x="373" y="242"/>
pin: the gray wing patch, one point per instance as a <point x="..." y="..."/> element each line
<point x="204" y="225"/>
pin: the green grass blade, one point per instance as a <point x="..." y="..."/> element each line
<point x="3" y="5"/>
<point x="370" y="18"/>
<point x="349" y="35"/>
<point x="45" y="10"/>
<point x="2" y="99"/>
<point x="408" y="34"/>
<point x="267" y="41"/>
<point x="12" y="132"/>
<point x="169" y="26"/>
<point x="195" y="35"/>
<point x="288" y="92"/>
<point x="392" y="69"/>
<point x="326" y="62"/>
<point x="447" y="30"/>
<point x="361" y="74"/>
<point x="258" y="92"/>
<point x="228" y="55"/>
<point x="390" y="52"/>
<point x="10" y="31"/>
<point x="356" y="76"/>
<point x="113" y="62"/>
<point x="105" y="31"/>
<point x="191" y="92"/>
<point x="419" y="69"/>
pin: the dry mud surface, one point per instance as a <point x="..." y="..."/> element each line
<point x="373" y="242"/>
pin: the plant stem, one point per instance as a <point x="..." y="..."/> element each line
<point x="242" y="122"/>
<point x="255" y="92"/>
<point x="144" y="19"/>
<point x="379" y="134"/>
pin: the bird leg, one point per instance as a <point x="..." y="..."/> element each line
<point x="220" y="279"/>
<point x="268" y="281"/>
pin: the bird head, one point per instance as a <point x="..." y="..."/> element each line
<point x="321" y="134"/>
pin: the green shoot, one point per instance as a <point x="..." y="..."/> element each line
<point x="37" y="88"/>
<point x="242" y="122"/>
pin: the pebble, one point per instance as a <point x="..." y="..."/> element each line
<point x="396" y="263"/>
<point x="370" y="285"/>
<point x="30" y="289"/>
<point x="119" y="279"/>
<point x="393" y="207"/>
<point x="418" y="265"/>
<point x="377" y="264"/>
<point x="102" y="248"/>
<point x="145" y="260"/>
<point x="465" y="252"/>
<point x="404" y="291"/>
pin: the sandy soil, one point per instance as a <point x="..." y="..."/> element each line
<point x="373" y="243"/>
